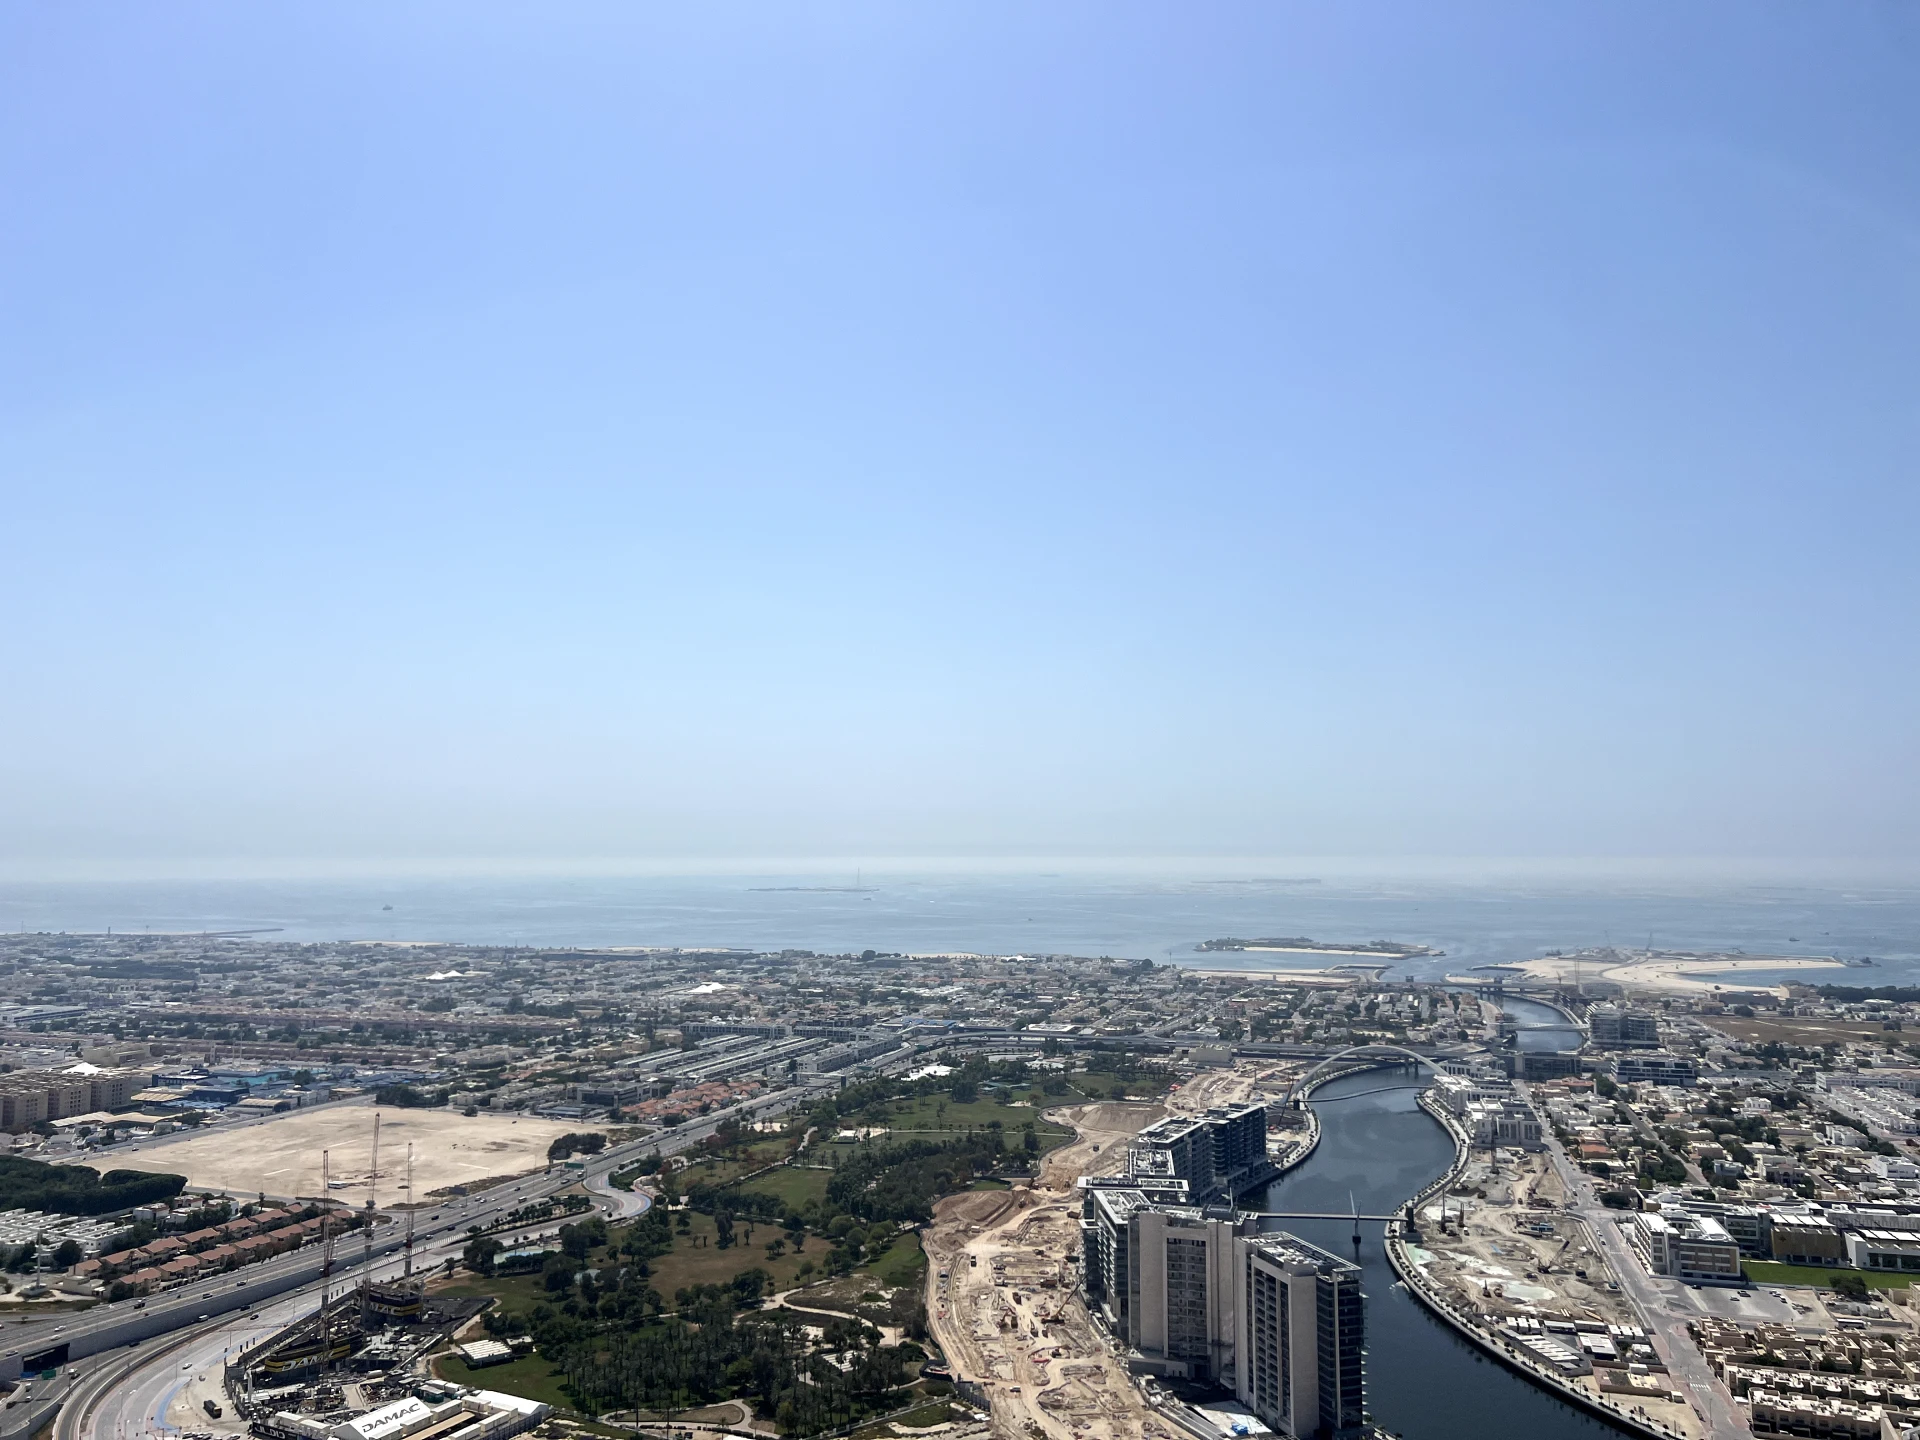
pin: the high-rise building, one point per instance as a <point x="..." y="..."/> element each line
<point x="1214" y="1156"/>
<point x="1655" y="1067"/>
<point x="1301" y="1337"/>
<point x="1178" y="1148"/>
<point x="1180" y="1290"/>
<point x="1106" y="1236"/>
<point x="1200" y="1294"/>
<point x="1239" y="1142"/>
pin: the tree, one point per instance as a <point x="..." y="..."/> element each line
<point x="590" y="1142"/>
<point x="68" y="1254"/>
<point x="480" y="1254"/>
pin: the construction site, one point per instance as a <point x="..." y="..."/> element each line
<point x="346" y="1370"/>
<point x="1003" y="1277"/>
<point x="1501" y="1238"/>
<point x="1500" y="1243"/>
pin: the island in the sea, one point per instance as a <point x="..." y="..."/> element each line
<point x="1299" y="944"/>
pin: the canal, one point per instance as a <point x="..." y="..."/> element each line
<point x="1423" y="1381"/>
<point x="1541" y="1027"/>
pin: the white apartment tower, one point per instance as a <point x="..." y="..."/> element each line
<point x="1301" y="1335"/>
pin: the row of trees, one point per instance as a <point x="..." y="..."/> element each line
<point x="79" y="1189"/>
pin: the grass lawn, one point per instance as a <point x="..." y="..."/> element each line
<point x="990" y="1184"/>
<point x="717" y="1170"/>
<point x="514" y="1292"/>
<point x="902" y="1263"/>
<point x="529" y="1376"/>
<point x="795" y="1186"/>
<point x="935" y="1113"/>
<point x="707" y="1264"/>
<point x="685" y="1264"/>
<point x="934" y="1414"/>
<point x="1765" y="1272"/>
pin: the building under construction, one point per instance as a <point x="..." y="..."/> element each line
<point x="372" y="1325"/>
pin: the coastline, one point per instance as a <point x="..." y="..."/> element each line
<point x="1320" y="975"/>
<point x="1359" y="953"/>
<point x="1672" y="974"/>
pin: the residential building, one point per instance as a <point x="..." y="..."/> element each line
<point x="1655" y="1067"/>
<point x="1180" y="1291"/>
<point x="1612" y="1027"/>
<point x="1301" y="1333"/>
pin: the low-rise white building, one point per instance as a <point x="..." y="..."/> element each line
<point x="1503" y="1122"/>
<point x="1695" y="1248"/>
<point x="1884" y="1250"/>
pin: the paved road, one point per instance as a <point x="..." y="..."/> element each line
<point x="620" y="1204"/>
<point x="110" y="1327"/>
<point x="129" y="1397"/>
<point x="1725" y="1419"/>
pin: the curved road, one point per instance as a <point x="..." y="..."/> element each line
<point x="621" y="1204"/>
<point x="186" y="1332"/>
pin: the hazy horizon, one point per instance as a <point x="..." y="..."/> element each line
<point x="470" y="436"/>
<point x="1685" y="873"/>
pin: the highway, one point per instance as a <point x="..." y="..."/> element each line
<point x="62" y="1339"/>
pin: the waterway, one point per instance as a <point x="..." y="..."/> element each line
<point x="1423" y="1381"/>
<point x="1541" y="1026"/>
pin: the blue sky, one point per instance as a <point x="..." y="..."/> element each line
<point x="565" y="433"/>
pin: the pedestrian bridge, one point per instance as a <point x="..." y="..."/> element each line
<point x="1358" y="1056"/>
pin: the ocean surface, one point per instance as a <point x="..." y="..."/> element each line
<point x="1131" y="915"/>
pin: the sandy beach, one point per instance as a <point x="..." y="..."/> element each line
<point x="1673" y="974"/>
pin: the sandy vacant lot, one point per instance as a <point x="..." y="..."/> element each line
<point x="282" y="1156"/>
<point x="1675" y="974"/>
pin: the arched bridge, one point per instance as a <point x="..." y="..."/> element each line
<point x="1379" y="1051"/>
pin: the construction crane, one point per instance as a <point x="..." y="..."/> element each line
<point x="411" y="1209"/>
<point x="366" y="1231"/>
<point x="326" y="1258"/>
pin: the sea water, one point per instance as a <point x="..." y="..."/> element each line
<point x="1133" y="914"/>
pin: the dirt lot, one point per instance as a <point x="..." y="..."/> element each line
<point x="1809" y="1034"/>
<point x="1514" y="1250"/>
<point x="1002" y="1295"/>
<point x="1100" y="1139"/>
<point x="281" y="1157"/>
